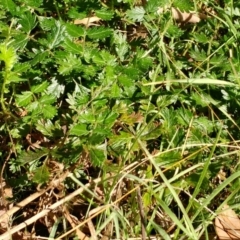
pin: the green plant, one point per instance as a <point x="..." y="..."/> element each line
<point x="122" y="87"/>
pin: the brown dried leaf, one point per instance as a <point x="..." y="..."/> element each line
<point x="227" y="224"/>
<point x="74" y="222"/>
<point x="8" y="193"/>
<point x="184" y="17"/>
<point x="138" y="117"/>
<point x="87" y="21"/>
<point x="4" y="221"/>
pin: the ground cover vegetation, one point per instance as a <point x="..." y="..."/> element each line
<point x="120" y="118"/>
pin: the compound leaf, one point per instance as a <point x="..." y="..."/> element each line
<point x="99" y="32"/>
<point x="136" y="14"/>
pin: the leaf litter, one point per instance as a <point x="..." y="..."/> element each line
<point x="227" y="224"/>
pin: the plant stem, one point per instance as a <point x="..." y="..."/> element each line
<point x="4" y="109"/>
<point x="2" y="93"/>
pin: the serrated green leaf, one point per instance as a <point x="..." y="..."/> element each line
<point x="196" y="136"/>
<point x="203" y="124"/>
<point x="9" y="5"/>
<point x="87" y="117"/>
<point x="109" y="119"/>
<point x="14" y="78"/>
<point x="69" y="64"/>
<point x="45" y="127"/>
<point x="136" y="14"/>
<point x="33" y="106"/>
<point x="144" y="63"/>
<point x="174" y="31"/>
<point x="232" y="11"/>
<point x="121" y="51"/>
<point x="55" y="88"/>
<point x="109" y="75"/>
<point x="100" y="132"/>
<point x="115" y="90"/>
<point x="40" y="57"/>
<point x="128" y="85"/>
<point x="21" y="67"/>
<point x="198" y="56"/>
<point x="99" y="32"/>
<point x="62" y="56"/>
<point x="153" y="5"/>
<point x="104" y="14"/>
<point x="218" y="60"/>
<point x="75" y="14"/>
<point x="184" y="117"/>
<point x="30" y="156"/>
<point x="15" y="133"/>
<point x="47" y="99"/>
<point x="46" y="23"/>
<point x="39" y="88"/>
<point x="49" y="111"/>
<point x="9" y="56"/>
<point x="183" y="5"/>
<point x="89" y="71"/>
<point x="33" y="3"/>
<point x="28" y="22"/>
<point x="24" y="99"/>
<point x="98" y="136"/>
<point x="200" y="37"/>
<point x="168" y="159"/>
<point x="57" y="35"/>
<point x="125" y="81"/>
<point x="97" y="58"/>
<point x="151" y="131"/>
<point x="101" y="103"/>
<point x="119" y="141"/>
<point x="109" y="59"/>
<point x="131" y="72"/>
<point x="72" y="47"/>
<point x="165" y="100"/>
<point x="97" y="156"/>
<point x="169" y="119"/>
<point x="41" y="175"/>
<point x="82" y="99"/>
<point x="74" y="31"/>
<point x="121" y="45"/>
<point x="20" y="41"/>
<point x="147" y="199"/>
<point x="79" y="130"/>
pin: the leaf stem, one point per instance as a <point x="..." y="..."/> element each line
<point x="2" y="92"/>
<point x="57" y="9"/>
<point x="6" y="112"/>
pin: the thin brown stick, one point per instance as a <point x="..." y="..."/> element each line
<point x="32" y="197"/>
<point x="22" y="204"/>
<point x="95" y="214"/>
<point x="44" y="212"/>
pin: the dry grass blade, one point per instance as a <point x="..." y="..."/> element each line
<point x="227" y="224"/>
<point x="31" y="198"/>
<point x="5" y="216"/>
<point x="44" y="212"/>
<point x="92" y="230"/>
